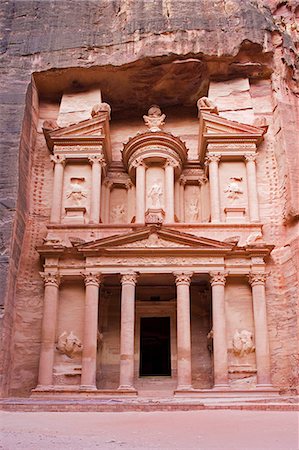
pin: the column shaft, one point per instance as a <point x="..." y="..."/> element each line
<point x="262" y="349"/>
<point x="57" y="188"/>
<point x="182" y="199"/>
<point x="140" y="193"/>
<point x="184" y="370"/>
<point x="219" y="330"/>
<point x="214" y="187"/>
<point x="127" y="331"/>
<point x="89" y="355"/>
<point x="252" y="188"/>
<point x="95" y="201"/>
<point x="169" y="192"/>
<point x="46" y="362"/>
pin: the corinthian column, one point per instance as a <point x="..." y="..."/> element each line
<point x="46" y="361"/>
<point x="128" y="282"/>
<point x="182" y="181"/>
<point x="262" y="350"/>
<point x="213" y="160"/>
<point x="140" y="191"/>
<point x="59" y="162"/>
<point x="97" y="162"/>
<point x="89" y="355"/>
<point x="169" y="190"/>
<point x="250" y="159"/>
<point x="219" y="329"/>
<point x="182" y="281"/>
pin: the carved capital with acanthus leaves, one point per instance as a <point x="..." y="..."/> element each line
<point x="183" y="277"/>
<point x="51" y="279"/>
<point x="92" y="279"/>
<point x="129" y="278"/>
<point x="256" y="278"/>
<point x="250" y="157"/>
<point x="218" y="278"/>
<point x="138" y="162"/>
<point x="171" y="162"/>
<point x="97" y="159"/>
<point x="212" y="158"/>
<point x="58" y="159"/>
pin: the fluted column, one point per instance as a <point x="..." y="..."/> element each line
<point x="51" y="296"/>
<point x="262" y="350"/>
<point x="182" y="182"/>
<point x="128" y="282"/>
<point x="59" y="162"/>
<point x="140" y="191"/>
<point x="252" y="187"/>
<point x="184" y="371"/>
<point x="213" y="161"/>
<point x="219" y="329"/>
<point x="89" y="356"/>
<point x="97" y="162"/>
<point x="169" y="190"/>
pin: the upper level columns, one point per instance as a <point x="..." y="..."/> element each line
<point x="128" y="282"/>
<point x="89" y="356"/>
<point x="182" y="281"/>
<point x="213" y="161"/>
<point x="262" y="351"/>
<point x="250" y="159"/>
<point x="219" y="329"/>
<point x="169" y="190"/>
<point x="46" y="362"/>
<point x="97" y="162"/>
<point x="59" y="162"/>
<point x="140" y="191"/>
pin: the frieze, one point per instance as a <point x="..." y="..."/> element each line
<point x="232" y="146"/>
<point x="154" y="261"/>
<point x="78" y="149"/>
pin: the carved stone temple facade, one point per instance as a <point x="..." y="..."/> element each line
<point x="153" y="262"/>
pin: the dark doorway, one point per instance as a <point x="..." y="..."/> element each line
<point x="155" y="346"/>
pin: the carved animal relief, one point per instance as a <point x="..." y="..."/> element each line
<point x="69" y="344"/>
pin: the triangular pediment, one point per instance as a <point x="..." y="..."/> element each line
<point x="216" y="129"/>
<point x="153" y="238"/>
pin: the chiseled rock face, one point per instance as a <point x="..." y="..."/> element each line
<point x="144" y="45"/>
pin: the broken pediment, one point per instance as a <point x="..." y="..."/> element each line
<point x="214" y="129"/>
<point x="90" y="132"/>
<point x="154" y="237"/>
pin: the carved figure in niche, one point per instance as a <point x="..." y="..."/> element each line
<point x="210" y="337"/>
<point x="205" y="103"/>
<point x="76" y="194"/>
<point x="193" y="210"/>
<point x="233" y="189"/>
<point x="118" y="213"/>
<point x="155" y="193"/>
<point x="69" y="344"/>
<point x="243" y="343"/>
<point x="155" y="119"/>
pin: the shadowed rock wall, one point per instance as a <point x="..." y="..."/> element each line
<point x="256" y="39"/>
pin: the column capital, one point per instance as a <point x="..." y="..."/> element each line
<point x="250" y="157"/>
<point x="183" y="277"/>
<point x="212" y="157"/>
<point x="129" y="184"/>
<point x="93" y="279"/>
<point x="218" y="278"/>
<point x="58" y="159"/>
<point x="171" y="162"/>
<point x="98" y="159"/>
<point x="51" y="279"/>
<point x="256" y="278"/>
<point x="138" y="162"/>
<point x="129" y="278"/>
<point x="182" y="180"/>
<point x="108" y="183"/>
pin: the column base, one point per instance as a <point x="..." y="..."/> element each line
<point x="87" y="387"/>
<point x="126" y="387"/>
<point x="221" y="387"/>
<point x="184" y="387"/>
<point x="43" y="387"/>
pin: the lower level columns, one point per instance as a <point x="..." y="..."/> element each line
<point x="128" y="282"/>
<point x="262" y="350"/>
<point x="46" y="362"/>
<point x="219" y="330"/>
<point x="184" y="372"/>
<point x="89" y="355"/>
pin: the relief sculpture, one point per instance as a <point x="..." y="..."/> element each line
<point x="243" y="343"/>
<point x="76" y="192"/>
<point x="155" y="119"/>
<point x="155" y="195"/>
<point x="69" y="344"/>
<point x="233" y="188"/>
<point x="118" y="214"/>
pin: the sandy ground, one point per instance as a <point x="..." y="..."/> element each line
<point x="201" y="430"/>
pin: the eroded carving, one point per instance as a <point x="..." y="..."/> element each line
<point x="155" y="195"/>
<point x="255" y="238"/>
<point x="118" y="214"/>
<point x="233" y="188"/>
<point x="257" y="278"/>
<point x="183" y="277"/>
<point x="91" y="278"/>
<point x="52" y="279"/>
<point x="155" y="119"/>
<point x="100" y="108"/>
<point x="69" y="344"/>
<point x="192" y="210"/>
<point x="76" y="193"/>
<point x="218" y="277"/>
<point x="205" y="104"/>
<point x="243" y="342"/>
<point x="129" y="278"/>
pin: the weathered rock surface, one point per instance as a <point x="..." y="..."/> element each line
<point x="48" y="47"/>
